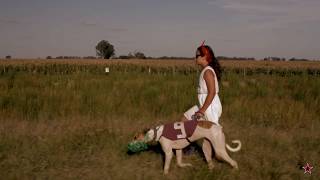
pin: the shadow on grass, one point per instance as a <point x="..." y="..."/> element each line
<point x="193" y="148"/>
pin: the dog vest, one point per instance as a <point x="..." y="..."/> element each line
<point x="179" y="130"/>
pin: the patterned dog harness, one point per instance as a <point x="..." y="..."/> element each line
<point x="179" y="130"/>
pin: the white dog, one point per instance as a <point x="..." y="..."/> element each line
<point x="178" y="135"/>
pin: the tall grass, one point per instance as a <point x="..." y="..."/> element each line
<point x="77" y="125"/>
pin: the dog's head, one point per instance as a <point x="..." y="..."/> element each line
<point x="146" y="135"/>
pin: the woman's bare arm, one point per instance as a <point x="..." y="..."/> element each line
<point x="209" y="79"/>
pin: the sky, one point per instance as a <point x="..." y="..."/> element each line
<point x="241" y="28"/>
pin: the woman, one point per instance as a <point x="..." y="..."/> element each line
<point x="208" y="89"/>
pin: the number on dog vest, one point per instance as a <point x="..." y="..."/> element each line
<point x="179" y="130"/>
<point x="180" y="126"/>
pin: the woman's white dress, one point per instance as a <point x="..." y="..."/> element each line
<point x="214" y="110"/>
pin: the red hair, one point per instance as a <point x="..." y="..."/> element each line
<point x="205" y="51"/>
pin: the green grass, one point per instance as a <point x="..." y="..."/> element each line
<point x="77" y="125"/>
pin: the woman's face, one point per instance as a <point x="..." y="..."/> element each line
<point x="200" y="60"/>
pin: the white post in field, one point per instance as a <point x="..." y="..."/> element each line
<point x="107" y="70"/>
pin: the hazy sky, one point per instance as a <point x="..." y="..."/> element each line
<point x="250" y="28"/>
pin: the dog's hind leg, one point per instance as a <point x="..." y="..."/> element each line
<point x="207" y="150"/>
<point x="218" y="142"/>
<point x="223" y="155"/>
<point x="179" y="159"/>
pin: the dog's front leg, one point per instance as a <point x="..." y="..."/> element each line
<point x="168" y="152"/>
<point x="179" y="159"/>
<point x="167" y="149"/>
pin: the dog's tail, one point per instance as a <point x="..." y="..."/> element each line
<point x="234" y="149"/>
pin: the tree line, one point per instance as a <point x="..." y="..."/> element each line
<point x="105" y="50"/>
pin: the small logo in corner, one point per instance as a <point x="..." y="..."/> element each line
<point x="307" y="168"/>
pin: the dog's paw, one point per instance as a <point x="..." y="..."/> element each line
<point x="165" y="172"/>
<point x="236" y="167"/>
<point x="185" y="165"/>
<point x="210" y="166"/>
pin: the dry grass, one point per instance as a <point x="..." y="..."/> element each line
<point x="170" y="63"/>
<point x="77" y="125"/>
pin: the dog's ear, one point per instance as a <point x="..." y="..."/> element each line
<point x="145" y="130"/>
<point x="136" y="135"/>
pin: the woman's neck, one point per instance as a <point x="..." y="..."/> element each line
<point x="204" y="65"/>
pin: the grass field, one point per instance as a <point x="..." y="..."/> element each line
<point x="70" y="120"/>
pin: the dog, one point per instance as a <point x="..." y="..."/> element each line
<point x="178" y="135"/>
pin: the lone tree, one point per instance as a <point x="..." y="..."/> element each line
<point x="139" y="55"/>
<point x="104" y="49"/>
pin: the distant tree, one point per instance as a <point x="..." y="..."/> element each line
<point x="123" y="57"/>
<point x="104" y="49"/>
<point x="130" y="55"/>
<point x="89" y="57"/>
<point x="8" y="57"/>
<point x="49" y="57"/>
<point x="134" y="55"/>
<point x="139" y="55"/>
<point x="296" y="59"/>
